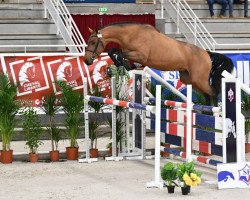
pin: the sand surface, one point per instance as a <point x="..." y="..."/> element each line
<point x="124" y="180"/>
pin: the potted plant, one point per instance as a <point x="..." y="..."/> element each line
<point x="94" y="123"/>
<point x="8" y="109"/>
<point x="246" y="111"/>
<point x="119" y="134"/>
<point x="72" y="105"/>
<point x="32" y="132"/>
<point x="188" y="176"/>
<point x="50" y="108"/>
<point x="169" y="175"/>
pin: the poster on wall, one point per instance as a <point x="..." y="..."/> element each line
<point x="37" y="76"/>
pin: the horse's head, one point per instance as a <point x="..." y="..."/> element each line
<point x="95" y="47"/>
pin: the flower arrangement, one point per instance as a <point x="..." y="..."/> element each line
<point x="192" y="179"/>
<point x="187" y="174"/>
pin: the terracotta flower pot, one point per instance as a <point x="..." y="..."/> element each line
<point x="93" y="153"/>
<point x="247" y="147"/>
<point x="33" y="157"/>
<point x="54" y="156"/>
<point x="72" y="153"/>
<point x="6" y="157"/>
<point x="110" y="151"/>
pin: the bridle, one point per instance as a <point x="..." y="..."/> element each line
<point x="99" y="41"/>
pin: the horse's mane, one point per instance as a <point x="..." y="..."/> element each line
<point x="128" y="23"/>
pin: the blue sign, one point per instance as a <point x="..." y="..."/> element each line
<point x="242" y="66"/>
<point x="99" y="1"/>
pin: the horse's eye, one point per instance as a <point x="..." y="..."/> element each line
<point x="92" y="43"/>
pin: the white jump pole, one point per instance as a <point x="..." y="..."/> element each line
<point x="157" y="183"/>
<point x="165" y="83"/>
<point x="189" y="124"/>
<point x="243" y="86"/>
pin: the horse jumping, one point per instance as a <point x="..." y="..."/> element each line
<point x="142" y="43"/>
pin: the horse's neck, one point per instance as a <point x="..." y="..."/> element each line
<point x="114" y="34"/>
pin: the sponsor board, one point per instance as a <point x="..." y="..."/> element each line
<point x="37" y="76"/>
<point x="233" y="175"/>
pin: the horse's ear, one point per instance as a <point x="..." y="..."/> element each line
<point x="90" y="30"/>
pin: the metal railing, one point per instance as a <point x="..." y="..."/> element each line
<point x="65" y="25"/>
<point x="191" y="26"/>
<point x="188" y="23"/>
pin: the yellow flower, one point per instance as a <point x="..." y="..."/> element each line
<point x="185" y="177"/>
<point x="194" y="183"/>
<point x="193" y="176"/>
<point x="188" y="182"/>
<point x="198" y="180"/>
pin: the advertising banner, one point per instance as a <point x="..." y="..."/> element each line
<point x="37" y="76"/>
<point x="233" y="175"/>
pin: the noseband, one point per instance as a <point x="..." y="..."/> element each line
<point x="99" y="41"/>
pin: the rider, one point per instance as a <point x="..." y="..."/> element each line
<point x="117" y="57"/>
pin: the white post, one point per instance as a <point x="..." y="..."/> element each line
<point x="224" y="121"/>
<point x="157" y="183"/>
<point x="87" y="159"/>
<point x="189" y="124"/>
<point x="86" y="118"/>
<point x="113" y="86"/>
<point x="243" y="139"/>
<point x="239" y="137"/>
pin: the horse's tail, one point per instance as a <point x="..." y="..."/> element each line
<point x="220" y="63"/>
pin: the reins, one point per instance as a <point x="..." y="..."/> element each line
<point x="99" y="41"/>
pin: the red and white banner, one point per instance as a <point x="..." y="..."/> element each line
<point x="36" y="76"/>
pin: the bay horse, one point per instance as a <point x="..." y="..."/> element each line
<point x="142" y="43"/>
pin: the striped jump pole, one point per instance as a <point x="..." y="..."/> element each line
<point x="176" y="104"/>
<point x="183" y="154"/>
<point x="115" y="102"/>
